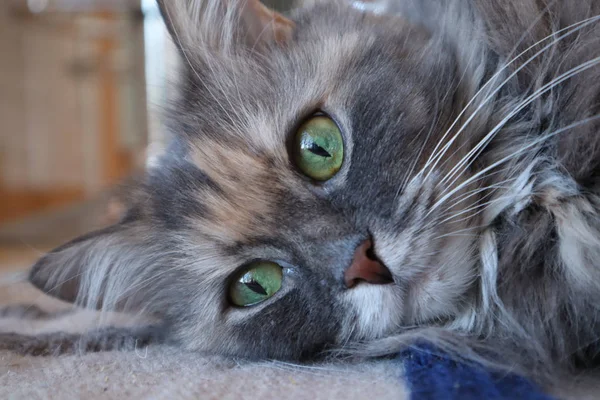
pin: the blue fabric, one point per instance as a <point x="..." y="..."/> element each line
<point x="431" y="375"/>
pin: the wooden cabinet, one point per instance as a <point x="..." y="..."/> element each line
<point x="72" y="102"/>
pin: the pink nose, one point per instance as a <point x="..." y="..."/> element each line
<point x="366" y="267"/>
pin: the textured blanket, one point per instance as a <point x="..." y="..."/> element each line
<point x="163" y="372"/>
<point x="431" y="375"/>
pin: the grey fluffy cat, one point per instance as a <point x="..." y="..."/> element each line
<point x="356" y="177"/>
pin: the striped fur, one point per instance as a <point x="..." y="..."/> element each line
<point x="472" y="158"/>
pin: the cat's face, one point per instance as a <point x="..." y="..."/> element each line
<point x="238" y="191"/>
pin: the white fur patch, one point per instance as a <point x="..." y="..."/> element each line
<point x="378" y="309"/>
<point x="579" y="243"/>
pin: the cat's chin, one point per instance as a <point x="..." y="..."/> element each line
<point x="377" y="311"/>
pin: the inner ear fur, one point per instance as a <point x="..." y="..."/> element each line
<point x="223" y="24"/>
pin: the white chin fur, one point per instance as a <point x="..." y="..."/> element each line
<point x="378" y="310"/>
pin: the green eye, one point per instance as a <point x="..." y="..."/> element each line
<point x="256" y="284"/>
<point x="319" y="148"/>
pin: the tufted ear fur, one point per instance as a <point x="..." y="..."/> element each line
<point x="223" y="24"/>
<point x="108" y="269"/>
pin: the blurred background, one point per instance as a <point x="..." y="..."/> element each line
<point x="82" y="83"/>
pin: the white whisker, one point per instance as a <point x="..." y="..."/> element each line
<point x="547" y="87"/>
<point x="437" y="156"/>
<point x="511" y="156"/>
<point x="475" y="192"/>
<point x="472" y="208"/>
<point x="460" y="231"/>
<point x="418" y="156"/>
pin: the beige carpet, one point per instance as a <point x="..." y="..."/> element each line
<point x="161" y="373"/>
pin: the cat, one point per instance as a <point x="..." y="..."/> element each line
<point x="356" y="177"/>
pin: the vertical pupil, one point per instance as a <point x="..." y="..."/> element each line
<point x="318" y="150"/>
<point x="256" y="287"/>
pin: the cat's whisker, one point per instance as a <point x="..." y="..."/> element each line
<point x="411" y="169"/>
<point x="514" y="49"/>
<point x="312" y="369"/>
<point x="512" y="156"/>
<point x="449" y="215"/>
<point x="460" y="231"/>
<point x="467" y="160"/>
<point x="466" y="210"/>
<point x="304" y="366"/>
<point x="550" y="85"/>
<point x="478" y="190"/>
<point x="407" y="177"/>
<point x="577" y="28"/>
<point x="437" y="155"/>
<point x="494" y="173"/>
<point x="470" y="193"/>
<point x="472" y="208"/>
<point x="473" y="153"/>
<point x="472" y="235"/>
<point x="472" y="156"/>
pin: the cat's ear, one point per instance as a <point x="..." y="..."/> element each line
<point x="99" y="270"/>
<point x="223" y="24"/>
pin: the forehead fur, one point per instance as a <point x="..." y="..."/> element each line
<point x="240" y="112"/>
<point x="247" y="185"/>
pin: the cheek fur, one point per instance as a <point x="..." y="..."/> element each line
<point x="241" y="193"/>
<point x="439" y="291"/>
<point x="433" y="267"/>
<point x="431" y="277"/>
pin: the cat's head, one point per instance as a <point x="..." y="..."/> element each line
<point x="312" y="194"/>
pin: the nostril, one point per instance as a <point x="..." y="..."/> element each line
<point x="370" y="253"/>
<point x="366" y="267"/>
